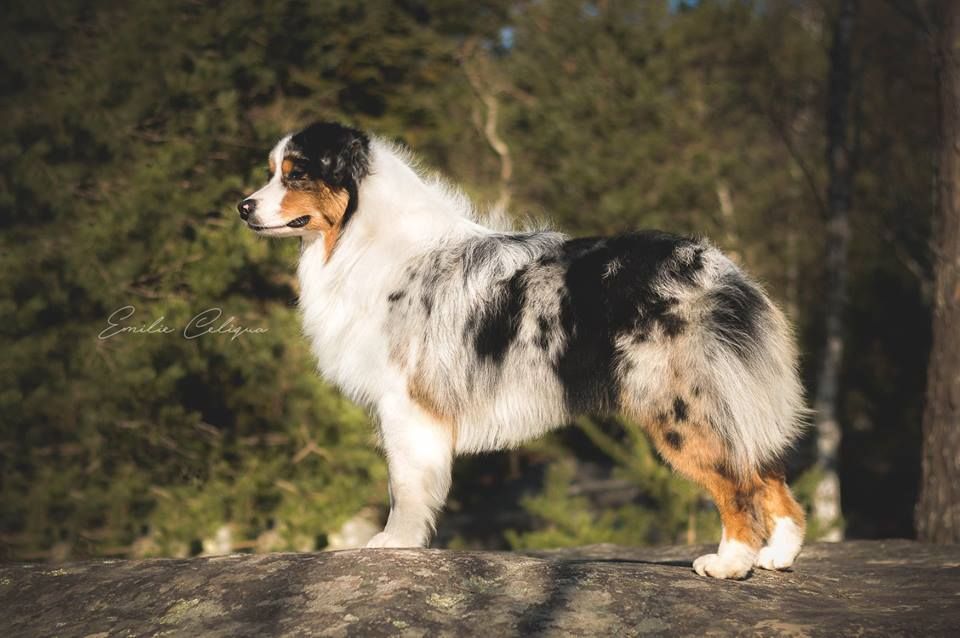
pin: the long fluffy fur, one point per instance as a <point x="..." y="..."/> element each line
<point x="461" y="337"/>
<point x="421" y="278"/>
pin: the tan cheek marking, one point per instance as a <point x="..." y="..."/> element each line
<point x="326" y="208"/>
<point x="272" y="166"/>
<point x="286" y="166"/>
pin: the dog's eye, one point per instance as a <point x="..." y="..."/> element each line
<point x="295" y="175"/>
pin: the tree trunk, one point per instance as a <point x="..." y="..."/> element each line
<point x="826" y="505"/>
<point x="938" y="509"/>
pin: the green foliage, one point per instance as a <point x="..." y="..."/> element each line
<point x="132" y="128"/>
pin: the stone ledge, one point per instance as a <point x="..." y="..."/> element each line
<point x="884" y="588"/>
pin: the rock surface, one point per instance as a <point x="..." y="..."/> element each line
<point x="889" y="588"/>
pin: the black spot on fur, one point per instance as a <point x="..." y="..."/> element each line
<point x="673" y="326"/>
<point x="744" y="499"/>
<point x="679" y="410"/>
<point x="686" y="270"/>
<point x="396" y="296"/>
<point x="674" y="439"/>
<point x="738" y="308"/>
<point x="499" y="322"/>
<point x="598" y="305"/>
<point x="432" y="280"/>
<point x="724" y="470"/>
<point x="543" y="332"/>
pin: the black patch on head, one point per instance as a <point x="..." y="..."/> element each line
<point x="679" y="410"/>
<point x="738" y="308"/>
<point x="335" y="154"/>
<point x="598" y="306"/>
<point x="674" y="439"/>
<point x="331" y="152"/>
<point x="497" y="324"/>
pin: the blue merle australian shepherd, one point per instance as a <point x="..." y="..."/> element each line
<point x="462" y="338"/>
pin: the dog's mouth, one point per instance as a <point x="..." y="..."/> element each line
<point x="299" y="222"/>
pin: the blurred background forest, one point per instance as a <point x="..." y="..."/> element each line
<point x="799" y="136"/>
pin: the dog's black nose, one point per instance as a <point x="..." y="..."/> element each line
<point x="246" y="207"/>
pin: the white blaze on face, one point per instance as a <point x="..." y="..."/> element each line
<point x="270" y="197"/>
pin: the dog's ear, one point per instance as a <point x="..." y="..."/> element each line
<point x="353" y="160"/>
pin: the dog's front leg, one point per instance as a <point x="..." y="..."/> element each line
<point x="419" y="450"/>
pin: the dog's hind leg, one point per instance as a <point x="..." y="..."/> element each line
<point x="743" y="527"/>
<point x="419" y="451"/>
<point x="695" y="451"/>
<point x="785" y="524"/>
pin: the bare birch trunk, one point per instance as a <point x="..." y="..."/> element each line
<point x="488" y="97"/>
<point x="826" y="505"/>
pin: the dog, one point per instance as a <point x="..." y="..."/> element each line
<point x="461" y="338"/>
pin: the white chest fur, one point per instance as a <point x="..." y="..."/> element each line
<point x="343" y="319"/>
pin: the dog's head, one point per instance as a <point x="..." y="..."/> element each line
<point x="313" y="182"/>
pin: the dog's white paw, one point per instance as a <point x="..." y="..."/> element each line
<point x="384" y="539"/>
<point x="718" y="566"/>
<point x="732" y="560"/>
<point x="783" y="547"/>
<point x="771" y="558"/>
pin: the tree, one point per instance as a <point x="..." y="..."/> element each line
<point x="841" y="167"/>
<point x="938" y="509"/>
<point x="641" y="117"/>
<point x="131" y="130"/>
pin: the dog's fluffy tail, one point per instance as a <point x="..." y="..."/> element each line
<point x="755" y="399"/>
